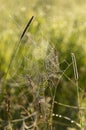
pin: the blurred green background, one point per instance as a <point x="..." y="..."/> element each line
<point x="57" y="24"/>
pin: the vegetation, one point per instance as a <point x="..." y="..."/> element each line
<point x="42" y="73"/>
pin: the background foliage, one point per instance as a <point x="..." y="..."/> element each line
<point x="58" y="29"/>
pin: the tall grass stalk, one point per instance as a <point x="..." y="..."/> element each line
<point x="17" y="46"/>
<point x="77" y="86"/>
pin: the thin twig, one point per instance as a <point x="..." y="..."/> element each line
<point x="69" y="106"/>
<point x="67" y="118"/>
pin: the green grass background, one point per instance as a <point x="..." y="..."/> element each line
<point x="57" y="24"/>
